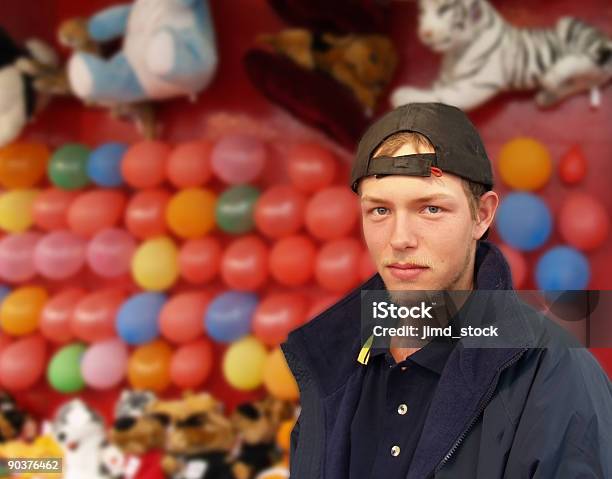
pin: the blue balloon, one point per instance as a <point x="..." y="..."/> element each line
<point x="524" y="221"/>
<point x="229" y="316"/>
<point x="138" y="318"/>
<point x="4" y="291"/>
<point x="104" y="164"/>
<point x="562" y="268"/>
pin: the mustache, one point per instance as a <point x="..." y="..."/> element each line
<point x="420" y="261"/>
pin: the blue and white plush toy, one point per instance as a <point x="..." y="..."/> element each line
<point x="168" y="50"/>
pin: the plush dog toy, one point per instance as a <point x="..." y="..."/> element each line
<point x="168" y="51"/>
<point x="200" y="439"/>
<point x="257" y="425"/>
<point x="14" y="422"/>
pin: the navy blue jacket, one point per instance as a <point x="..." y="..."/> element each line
<point x="534" y="408"/>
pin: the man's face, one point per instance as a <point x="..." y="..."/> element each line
<point x="419" y="230"/>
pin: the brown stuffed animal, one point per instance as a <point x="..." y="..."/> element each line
<point x="199" y="438"/>
<point x="257" y="426"/>
<point x="363" y="63"/>
<point x="14" y="423"/>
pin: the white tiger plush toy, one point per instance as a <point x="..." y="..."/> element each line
<point x="484" y="55"/>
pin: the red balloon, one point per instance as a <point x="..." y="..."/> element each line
<point x="292" y="260"/>
<point x="279" y="211"/>
<point x="311" y="167"/>
<point x="332" y="213"/>
<point x="199" y="259"/>
<point x="181" y="319"/>
<point x="517" y="263"/>
<point x="144" y="164"/>
<point x="22" y="363"/>
<point x="5" y="340"/>
<point x="94" y="315"/>
<point x="337" y="265"/>
<point x="50" y="208"/>
<point x="56" y="316"/>
<point x="145" y="215"/>
<point x="276" y="315"/>
<point x="583" y="221"/>
<point x="367" y="268"/>
<point x="96" y="210"/>
<point x="321" y="304"/>
<point x="573" y="166"/>
<point x="192" y="364"/>
<point x="244" y="265"/>
<point x="189" y="164"/>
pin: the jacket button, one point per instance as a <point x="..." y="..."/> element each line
<point x="395" y="450"/>
<point x="402" y="409"/>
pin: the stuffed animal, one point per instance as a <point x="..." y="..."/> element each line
<point x="280" y="470"/>
<point x="19" y="100"/>
<point x="14" y="422"/>
<point x="80" y="432"/>
<point x="484" y="55"/>
<point x="363" y="63"/>
<point x="139" y="434"/>
<point x="200" y="439"/>
<point x="257" y="425"/>
<point x="168" y="51"/>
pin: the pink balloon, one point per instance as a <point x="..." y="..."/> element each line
<point x="109" y="253"/>
<point x="22" y="363"/>
<point x="104" y="364"/>
<point x="59" y="255"/>
<point x="238" y="158"/>
<point x="55" y="318"/>
<point x="17" y="256"/>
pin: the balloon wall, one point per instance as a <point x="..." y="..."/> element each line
<point x="183" y="262"/>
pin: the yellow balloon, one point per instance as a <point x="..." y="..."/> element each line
<point x="155" y="264"/>
<point x="191" y="212"/>
<point x="277" y="377"/>
<point x="525" y="164"/>
<point x="23" y="165"/>
<point x="20" y="310"/>
<point x="16" y="210"/>
<point x="243" y="363"/>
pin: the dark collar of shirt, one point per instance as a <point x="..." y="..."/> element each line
<point x="432" y="356"/>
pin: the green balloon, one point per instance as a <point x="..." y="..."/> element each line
<point x="64" y="371"/>
<point x="68" y="167"/>
<point x="234" y="210"/>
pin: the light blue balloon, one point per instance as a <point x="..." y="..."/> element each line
<point x="229" y="316"/>
<point x="524" y="221"/>
<point x="562" y="268"/>
<point x="138" y="318"/>
<point x="104" y="164"/>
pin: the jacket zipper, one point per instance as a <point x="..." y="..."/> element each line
<point x="483" y="406"/>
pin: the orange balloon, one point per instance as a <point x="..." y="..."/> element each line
<point x="276" y="315"/>
<point x="244" y="265"/>
<point x="145" y="215"/>
<point x="182" y="317"/>
<point x="192" y="364"/>
<point x="20" y="310"/>
<point x="96" y="210"/>
<point x="337" y="266"/>
<point x="292" y="260"/>
<point x="55" y="318"/>
<point x="149" y="366"/>
<point x="278" y="379"/>
<point x="144" y="164"/>
<point x="191" y="212"/>
<point x="332" y="213"/>
<point x="311" y="167"/>
<point x="189" y="164"/>
<point x="23" y="165"/>
<point x="199" y="259"/>
<point x="279" y="211"/>
<point x="50" y="208"/>
<point x="93" y="318"/>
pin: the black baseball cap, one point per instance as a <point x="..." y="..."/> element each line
<point x="457" y="145"/>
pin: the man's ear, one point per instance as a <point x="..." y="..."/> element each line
<point x="487" y="207"/>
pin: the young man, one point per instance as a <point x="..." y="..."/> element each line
<point x="531" y="408"/>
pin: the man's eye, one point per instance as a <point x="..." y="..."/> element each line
<point x="433" y="209"/>
<point x="380" y="211"/>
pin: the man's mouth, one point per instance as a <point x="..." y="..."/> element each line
<point x="406" y="271"/>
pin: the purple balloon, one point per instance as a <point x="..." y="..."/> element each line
<point x="238" y="158"/>
<point x="59" y="254"/>
<point x="104" y="364"/>
<point x="17" y="256"/>
<point x="110" y="251"/>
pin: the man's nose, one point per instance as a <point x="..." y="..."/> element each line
<point x="404" y="235"/>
